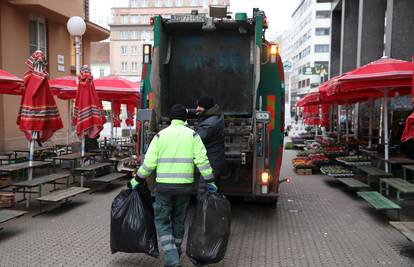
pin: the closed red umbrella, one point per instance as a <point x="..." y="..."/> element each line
<point x="89" y="116"/>
<point x="38" y="111"/>
<point x="116" y="112"/>
<point x="38" y="115"/>
<point x="10" y="84"/>
<point x="130" y="114"/>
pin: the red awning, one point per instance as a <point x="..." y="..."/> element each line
<point x="10" y="84"/>
<point x="108" y="89"/>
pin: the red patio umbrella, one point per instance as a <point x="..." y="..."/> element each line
<point x="38" y="115"/>
<point x="10" y="84"/>
<point x="89" y="116"/>
<point x="387" y="76"/>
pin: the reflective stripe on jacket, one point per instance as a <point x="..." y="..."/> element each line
<point x="173" y="152"/>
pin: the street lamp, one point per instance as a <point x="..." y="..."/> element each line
<point x="76" y="27"/>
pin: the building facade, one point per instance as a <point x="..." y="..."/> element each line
<point x="306" y="46"/>
<point x="130" y="29"/>
<point x="99" y="59"/>
<point x="28" y="25"/>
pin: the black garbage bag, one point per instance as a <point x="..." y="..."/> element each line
<point x="132" y="222"/>
<point x="209" y="229"/>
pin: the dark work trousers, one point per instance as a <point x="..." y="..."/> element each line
<point x="170" y="213"/>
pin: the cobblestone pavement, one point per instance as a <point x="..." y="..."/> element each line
<point x="316" y="223"/>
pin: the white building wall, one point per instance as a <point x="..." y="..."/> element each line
<point x="300" y="41"/>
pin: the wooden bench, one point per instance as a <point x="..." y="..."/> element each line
<point x="407" y="168"/>
<point x="401" y="186"/>
<point x="373" y="172"/>
<point x="38" y="182"/>
<point x="7" y="215"/>
<point x="405" y="228"/>
<point x="352" y="183"/>
<point x="60" y="195"/>
<point x="379" y="202"/>
<point x="108" y="178"/>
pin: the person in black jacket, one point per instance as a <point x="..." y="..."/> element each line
<point x="211" y="131"/>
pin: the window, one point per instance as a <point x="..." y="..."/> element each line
<point x="178" y="2"/>
<point x="305" y="52"/>
<point x="124" y="19"/>
<point x="134" y="66"/>
<point x="321" y="48"/>
<point x="134" y="19"/>
<point x="145" y="35"/>
<point x="194" y="2"/>
<point x="124" y="35"/>
<point x="124" y="66"/>
<point x="101" y="73"/>
<point x="322" y="31"/>
<point x="134" y="3"/>
<point x="323" y="14"/>
<point x="123" y="50"/>
<point x="144" y="19"/>
<point x="144" y="3"/>
<point x="134" y="35"/>
<point x="205" y="3"/>
<point x="307" y="82"/>
<point x="158" y="3"/>
<point x="168" y="3"/>
<point x="134" y="50"/>
<point x="37" y="35"/>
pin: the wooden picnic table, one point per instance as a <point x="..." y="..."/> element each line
<point x="395" y="160"/>
<point x="405" y="168"/>
<point x="39" y="182"/>
<point x="12" y="168"/>
<point x="91" y="168"/>
<point x="74" y="157"/>
<point x="105" y="153"/>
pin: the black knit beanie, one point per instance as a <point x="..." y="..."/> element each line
<point x="205" y="102"/>
<point x="178" y="112"/>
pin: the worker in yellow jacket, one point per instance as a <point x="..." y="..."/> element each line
<point x="173" y="152"/>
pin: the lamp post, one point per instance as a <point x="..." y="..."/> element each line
<point x="76" y="27"/>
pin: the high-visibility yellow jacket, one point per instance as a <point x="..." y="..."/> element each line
<point x="173" y="152"/>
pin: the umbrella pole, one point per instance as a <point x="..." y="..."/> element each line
<point x="82" y="155"/>
<point x="370" y="107"/>
<point x="31" y="159"/>
<point x="386" y="155"/>
<point x="69" y="122"/>
<point x="112" y="124"/>
<point x="346" y="123"/>
<point x="338" y="130"/>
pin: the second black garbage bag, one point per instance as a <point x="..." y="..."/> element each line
<point x="132" y="223"/>
<point x="209" y="230"/>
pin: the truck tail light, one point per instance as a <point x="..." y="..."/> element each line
<point x="265" y="182"/>
<point x="146" y="54"/>
<point x="265" y="178"/>
<point x="274" y="50"/>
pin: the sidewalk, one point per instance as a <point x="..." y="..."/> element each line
<point x="316" y="223"/>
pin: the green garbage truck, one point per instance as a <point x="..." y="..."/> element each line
<point x="230" y="60"/>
